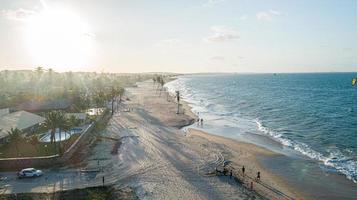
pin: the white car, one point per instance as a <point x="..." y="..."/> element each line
<point x="30" y="172"/>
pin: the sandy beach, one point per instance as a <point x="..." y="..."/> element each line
<point x="160" y="161"/>
<point x="144" y="148"/>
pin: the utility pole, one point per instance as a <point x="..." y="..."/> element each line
<point x="178" y="101"/>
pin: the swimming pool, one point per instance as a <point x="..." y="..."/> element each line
<point x="60" y="136"/>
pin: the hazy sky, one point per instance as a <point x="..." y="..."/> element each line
<point x="179" y="36"/>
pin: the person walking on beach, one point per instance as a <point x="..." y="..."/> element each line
<point x="201" y="122"/>
<point x="198" y="121"/>
<point x="258" y="176"/>
<point x="243" y="170"/>
<point x="103" y="181"/>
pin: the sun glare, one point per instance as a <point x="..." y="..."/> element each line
<point x="58" y="38"/>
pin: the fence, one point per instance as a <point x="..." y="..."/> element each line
<point x="45" y="161"/>
<point x="263" y="189"/>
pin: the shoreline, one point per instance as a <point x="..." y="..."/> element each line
<point x="239" y="153"/>
<point x="159" y="161"/>
<point x="238" y="150"/>
<point x="301" y="176"/>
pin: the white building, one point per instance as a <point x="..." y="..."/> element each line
<point x="22" y="120"/>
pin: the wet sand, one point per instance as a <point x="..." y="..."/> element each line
<point x="161" y="161"/>
<point x="245" y="154"/>
<point x="311" y="177"/>
<point x="288" y="171"/>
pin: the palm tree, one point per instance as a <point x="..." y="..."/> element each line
<point x="66" y="126"/>
<point x="15" y="136"/>
<point x="73" y="121"/>
<point x="62" y="125"/>
<point x="178" y="101"/>
<point x="158" y="80"/>
<point x="162" y="83"/>
<point x="112" y="95"/>
<point x="120" y="94"/>
<point x="39" y="71"/>
<point x="54" y="120"/>
<point x="154" y="80"/>
<point x="51" y="123"/>
<point x="99" y="98"/>
<point x="50" y="71"/>
<point x="34" y="141"/>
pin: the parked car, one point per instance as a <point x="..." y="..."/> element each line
<point x="30" y="172"/>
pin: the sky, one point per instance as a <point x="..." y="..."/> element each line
<point x="183" y="36"/>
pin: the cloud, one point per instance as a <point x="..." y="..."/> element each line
<point x="17" y="15"/>
<point x="268" y="15"/>
<point x="211" y="3"/>
<point x="221" y="34"/>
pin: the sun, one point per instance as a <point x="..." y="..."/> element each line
<point x="59" y="38"/>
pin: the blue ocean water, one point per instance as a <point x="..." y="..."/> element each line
<point x="312" y="114"/>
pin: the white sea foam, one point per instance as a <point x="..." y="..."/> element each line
<point x="335" y="159"/>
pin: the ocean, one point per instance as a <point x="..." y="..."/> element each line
<point x="310" y="115"/>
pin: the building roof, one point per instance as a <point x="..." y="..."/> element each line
<point x="20" y="119"/>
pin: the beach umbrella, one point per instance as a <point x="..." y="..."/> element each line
<point x="354" y="81"/>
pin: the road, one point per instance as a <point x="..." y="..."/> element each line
<point x="158" y="161"/>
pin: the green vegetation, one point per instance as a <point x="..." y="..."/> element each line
<point x="14" y="138"/>
<point x="50" y="94"/>
<point x="160" y="81"/>
<point x="101" y="124"/>
<point x="54" y="120"/>
<point x="81" y="89"/>
<point x="28" y="148"/>
<point x="91" y="193"/>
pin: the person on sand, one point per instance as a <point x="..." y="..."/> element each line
<point x="198" y="121"/>
<point x="243" y="170"/>
<point x="201" y="122"/>
<point x="258" y="176"/>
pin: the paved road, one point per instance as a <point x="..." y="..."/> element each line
<point x="52" y="180"/>
<point x="158" y="161"/>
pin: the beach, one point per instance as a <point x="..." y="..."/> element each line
<point x="149" y="149"/>
<point x="289" y="114"/>
<point x="161" y="161"/>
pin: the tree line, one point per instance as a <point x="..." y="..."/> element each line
<point x="81" y="89"/>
